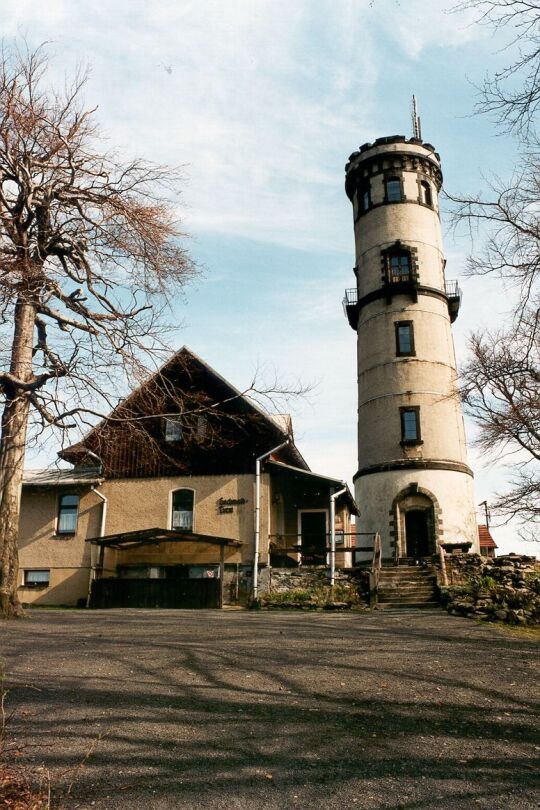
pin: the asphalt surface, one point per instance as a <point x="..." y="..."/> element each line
<point x="219" y="709"/>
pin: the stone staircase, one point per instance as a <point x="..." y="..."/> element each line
<point x="407" y="586"/>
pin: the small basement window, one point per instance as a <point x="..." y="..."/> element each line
<point x="172" y="429"/>
<point x="36" y="578"/>
<point x="68" y="510"/>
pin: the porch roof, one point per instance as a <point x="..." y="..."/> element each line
<point x="297" y="472"/>
<point x="125" y="540"/>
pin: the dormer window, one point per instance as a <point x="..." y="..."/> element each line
<point x="393" y="190"/>
<point x="172" y="429"/>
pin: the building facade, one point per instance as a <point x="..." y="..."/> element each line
<point x="158" y="508"/>
<point x="413" y="482"/>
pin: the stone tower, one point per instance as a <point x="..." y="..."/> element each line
<point x="413" y="483"/>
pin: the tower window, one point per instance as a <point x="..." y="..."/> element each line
<point x="410" y="425"/>
<point x="68" y="509"/>
<point x="400" y="266"/>
<point x="365" y="199"/>
<point x="172" y="429"/>
<point x="404" y="339"/>
<point x="364" y="196"/>
<point x="393" y="190"/>
<point x="425" y="193"/>
<point x="182" y="510"/>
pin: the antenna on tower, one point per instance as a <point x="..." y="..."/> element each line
<point x="417" y="130"/>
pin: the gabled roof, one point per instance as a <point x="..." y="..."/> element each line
<point x="485" y="538"/>
<point x="279" y="426"/>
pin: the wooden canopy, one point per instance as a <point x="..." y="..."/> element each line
<point x="145" y="537"/>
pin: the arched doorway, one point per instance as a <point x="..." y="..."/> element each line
<point x="417" y="539"/>
<point x="417" y="518"/>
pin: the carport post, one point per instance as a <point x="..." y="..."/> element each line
<point x="221" y="574"/>
<point x="256" y="549"/>
<point x="333" y="533"/>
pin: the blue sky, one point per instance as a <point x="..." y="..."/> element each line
<point x="262" y="102"/>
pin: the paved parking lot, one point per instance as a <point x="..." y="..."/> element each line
<point x="219" y="709"/>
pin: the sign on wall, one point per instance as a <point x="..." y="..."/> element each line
<point x="226" y="505"/>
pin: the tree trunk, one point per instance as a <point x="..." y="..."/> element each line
<point x="12" y="454"/>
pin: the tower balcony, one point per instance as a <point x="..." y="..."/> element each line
<point x="453" y="293"/>
<point x="352" y="304"/>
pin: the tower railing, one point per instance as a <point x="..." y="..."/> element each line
<point x="452" y="288"/>
<point x="453" y="292"/>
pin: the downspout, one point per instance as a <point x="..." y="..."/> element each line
<point x="101" y="534"/>
<point x="258" y="516"/>
<point x="333" y="534"/>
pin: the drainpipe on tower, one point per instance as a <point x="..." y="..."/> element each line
<point x="258" y="516"/>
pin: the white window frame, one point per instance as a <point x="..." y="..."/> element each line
<point x="300" y="512"/>
<point x="57" y="529"/>
<point x="170" y="513"/>
<point x="37" y="584"/>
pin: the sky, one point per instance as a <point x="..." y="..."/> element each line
<point x="261" y="102"/>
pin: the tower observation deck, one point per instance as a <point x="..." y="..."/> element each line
<point x="413" y="482"/>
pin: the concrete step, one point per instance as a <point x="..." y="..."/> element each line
<point x="408" y="605"/>
<point x="397" y="573"/>
<point x="407" y="595"/>
<point x="406" y="572"/>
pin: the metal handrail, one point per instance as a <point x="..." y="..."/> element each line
<point x="376" y="565"/>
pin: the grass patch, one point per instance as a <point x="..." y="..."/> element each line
<point x="319" y="596"/>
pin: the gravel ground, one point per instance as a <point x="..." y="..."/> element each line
<point x="231" y="709"/>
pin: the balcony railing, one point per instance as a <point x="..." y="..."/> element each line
<point x="452" y="290"/>
<point x="350" y="306"/>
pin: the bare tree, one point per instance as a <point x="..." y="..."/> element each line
<point x="501" y="390"/>
<point x="501" y="380"/>
<point x="512" y="94"/>
<point x="89" y="253"/>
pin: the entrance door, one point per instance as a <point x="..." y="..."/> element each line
<point x="417" y="533"/>
<point x="313" y="537"/>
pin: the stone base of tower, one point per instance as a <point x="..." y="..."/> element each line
<point x="415" y="510"/>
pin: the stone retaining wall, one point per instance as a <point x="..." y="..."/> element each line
<point x="309" y="587"/>
<point x="505" y="589"/>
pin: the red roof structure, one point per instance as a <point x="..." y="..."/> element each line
<point x="485" y="538"/>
